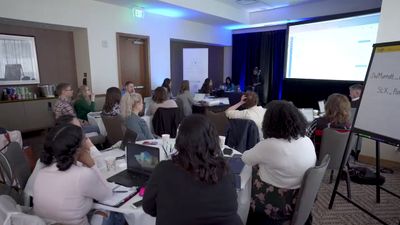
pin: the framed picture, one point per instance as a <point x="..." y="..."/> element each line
<point x="18" y="60"/>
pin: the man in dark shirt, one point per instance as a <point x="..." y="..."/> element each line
<point x="355" y="93"/>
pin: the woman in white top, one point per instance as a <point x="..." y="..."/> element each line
<point x="251" y="111"/>
<point x="64" y="190"/>
<point x="161" y="100"/>
<point x="282" y="159"/>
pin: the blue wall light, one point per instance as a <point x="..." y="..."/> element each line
<point x="170" y="12"/>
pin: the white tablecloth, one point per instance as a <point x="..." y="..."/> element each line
<point x="136" y="216"/>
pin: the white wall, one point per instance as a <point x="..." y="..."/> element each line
<point x="389" y="30"/>
<point x="389" y="25"/>
<point x="102" y="21"/>
<point x="82" y="58"/>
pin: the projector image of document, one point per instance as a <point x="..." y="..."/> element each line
<point x="120" y="195"/>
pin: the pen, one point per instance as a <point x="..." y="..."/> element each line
<point x="120" y="191"/>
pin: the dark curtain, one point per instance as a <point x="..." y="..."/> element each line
<point x="265" y="50"/>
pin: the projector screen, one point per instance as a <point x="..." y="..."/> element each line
<point x="337" y="49"/>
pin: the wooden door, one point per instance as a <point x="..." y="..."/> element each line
<point x="133" y="62"/>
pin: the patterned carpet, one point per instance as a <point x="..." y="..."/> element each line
<point x="345" y="213"/>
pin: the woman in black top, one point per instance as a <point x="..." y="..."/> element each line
<point x="337" y="116"/>
<point x="167" y="85"/>
<point x="195" y="187"/>
<point x="207" y="86"/>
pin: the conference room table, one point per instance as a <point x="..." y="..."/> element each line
<point x="211" y="104"/>
<point x="136" y="216"/>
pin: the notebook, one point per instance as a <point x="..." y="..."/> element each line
<point x="120" y="195"/>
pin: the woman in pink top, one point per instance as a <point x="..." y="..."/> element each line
<point x="161" y="100"/>
<point x="64" y="190"/>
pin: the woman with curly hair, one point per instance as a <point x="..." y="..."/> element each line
<point x="195" y="186"/>
<point x="281" y="159"/>
<point x="337" y="115"/>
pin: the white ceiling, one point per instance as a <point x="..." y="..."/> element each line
<point x="249" y="12"/>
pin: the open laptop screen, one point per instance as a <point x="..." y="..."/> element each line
<point x="142" y="158"/>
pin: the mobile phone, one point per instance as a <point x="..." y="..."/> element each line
<point x="227" y="151"/>
<point x="138" y="203"/>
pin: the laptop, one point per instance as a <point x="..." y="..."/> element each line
<point x="141" y="161"/>
<point x="321" y="105"/>
<point x="199" y="97"/>
<point x="308" y="114"/>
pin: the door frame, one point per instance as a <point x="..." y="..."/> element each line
<point x="147" y="78"/>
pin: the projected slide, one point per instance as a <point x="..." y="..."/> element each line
<point x="331" y="50"/>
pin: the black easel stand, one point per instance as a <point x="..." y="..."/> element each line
<point x="378" y="187"/>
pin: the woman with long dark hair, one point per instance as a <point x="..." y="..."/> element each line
<point x="167" y="84"/>
<point x="207" y="86"/>
<point x="195" y="186"/>
<point x="281" y="160"/>
<point x="111" y="105"/>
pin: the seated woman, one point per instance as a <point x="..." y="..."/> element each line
<point x="111" y="105"/>
<point x="229" y="86"/>
<point x="134" y="122"/>
<point x="337" y="115"/>
<point x="282" y="159"/>
<point x="186" y="98"/>
<point x="207" y="86"/>
<point x="84" y="103"/>
<point x="167" y="84"/>
<point x="251" y="111"/>
<point x="161" y="100"/>
<point x="64" y="189"/>
<point x="194" y="187"/>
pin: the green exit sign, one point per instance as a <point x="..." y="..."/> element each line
<point x="138" y="12"/>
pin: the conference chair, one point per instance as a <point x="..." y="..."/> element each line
<point x="11" y="213"/>
<point x="310" y="186"/>
<point x="242" y="134"/>
<point x="166" y="121"/>
<point x="333" y="143"/>
<point x="114" y="128"/>
<point x="219" y="120"/>
<point x="14" y="169"/>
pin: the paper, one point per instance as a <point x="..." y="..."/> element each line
<point x="120" y="195"/>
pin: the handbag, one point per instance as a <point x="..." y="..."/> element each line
<point x="363" y="175"/>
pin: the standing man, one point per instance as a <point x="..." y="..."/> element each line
<point x="355" y="93"/>
<point x="125" y="103"/>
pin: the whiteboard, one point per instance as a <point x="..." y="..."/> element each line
<point x="195" y="67"/>
<point x="378" y="114"/>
